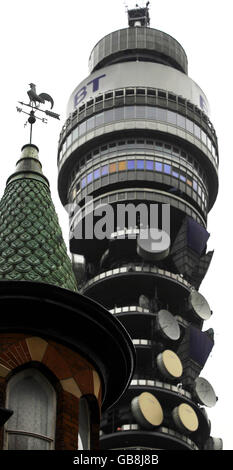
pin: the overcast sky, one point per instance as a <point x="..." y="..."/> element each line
<point x="49" y="43"/>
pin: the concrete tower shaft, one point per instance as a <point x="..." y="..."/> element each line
<point x="138" y="135"/>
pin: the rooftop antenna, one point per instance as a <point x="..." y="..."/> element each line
<point x="139" y="16"/>
<point x="35" y="101"/>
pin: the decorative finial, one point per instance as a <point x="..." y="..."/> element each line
<point x="35" y="101"/>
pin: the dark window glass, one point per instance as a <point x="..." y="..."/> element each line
<point x="158" y="145"/>
<point x="119" y="93"/>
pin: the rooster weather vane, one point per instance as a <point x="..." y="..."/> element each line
<point x="35" y="101"/>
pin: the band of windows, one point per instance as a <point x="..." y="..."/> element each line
<point x="164" y="149"/>
<point x="139" y="112"/>
<point x="147" y="165"/>
<point x="140" y="96"/>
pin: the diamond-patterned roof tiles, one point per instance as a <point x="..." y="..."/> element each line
<point x="31" y="243"/>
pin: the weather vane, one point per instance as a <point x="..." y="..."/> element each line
<point x="35" y="101"/>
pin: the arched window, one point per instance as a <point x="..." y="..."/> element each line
<point x="84" y="424"/>
<point x="89" y="421"/>
<point x="33" y="401"/>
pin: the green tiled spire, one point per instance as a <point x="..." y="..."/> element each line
<point x="31" y="243"/>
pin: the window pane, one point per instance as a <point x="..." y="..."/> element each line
<point x="197" y="131"/>
<point x="69" y="140"/>
<point x="108" y="116"/>
<point x="84" y="425"/>
<point x="75" y="133"/>
<point x="181" y="121"/>
<point x="167" y="168"/>
<point x="131" y="164"/>
<point x="161" y="114"/>
<point x="171" y="117"/>
<point x="209" y="143"/>
<point x="140" y="164"/>
<point x="149" y="165"/>
<point x="99" y="119"/>
<point x="203" y="137"/>
<point x="129" y="112"/>
<point x="104" y="170"/>
<point x="122" y="165"/>
<point x="158" y="166"/>
<point x="189" y="125"/>
<point x="82" y="128"/>
<point x="140" y="111"/>
<point x="151" y="112"/>
<point x="97" y="174"/>
<point x="22" y="442"/>
<point x="32" y="399"/>
<point x="119" y="114"/>
<point x="112" y="167"/>
<point x="89" y="178"/>
<point x="90" y="123"/>
<point x="83" y="183"/>
<point x="183" y="178"/>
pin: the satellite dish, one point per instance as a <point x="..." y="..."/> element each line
<point x="204" y="392"/>
<point x="168" y="325"/>
<point x="147" y="410"/>
<point x="185" y="418"/>
<point x="153" y="244"/>
<point x="169" y="364"/>
<point x="199" y="305"/>
<point x="214" y="443"/>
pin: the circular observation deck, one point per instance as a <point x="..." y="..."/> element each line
<point x="142" y="43"/>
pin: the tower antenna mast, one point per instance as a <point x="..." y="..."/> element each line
<point x="139" y="16"/>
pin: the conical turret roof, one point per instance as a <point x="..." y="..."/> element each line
<point x="31" y="242"/>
